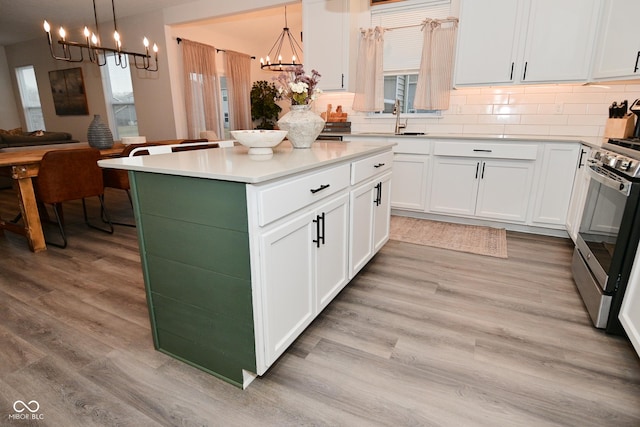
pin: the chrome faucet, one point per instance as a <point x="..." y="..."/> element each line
<point x="396" y="112"/>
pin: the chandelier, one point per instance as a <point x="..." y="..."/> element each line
<point x="96" y="53"/>
<point x="277" y="64"/>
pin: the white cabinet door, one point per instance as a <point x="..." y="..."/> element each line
<point x="409" y="181"/>
<point x="578" y="195"/>
<point x="362" y="201"/>
<point x="618" y="48"/>
<point x="560" y="40"/>
<point x="630" y="311"/>
<point x="325" y="25"/>
<point x="454" y="185"/>
<point x="488" y="41"/>
<point x="525" y="41"/>
<point x="559" y="163"/>
<point x="288" y="271"/>
<point x="370" y="220"/>
<point x="382" y="212"/>
<point x="331" y="254"/>
<point x="504" y="189"/>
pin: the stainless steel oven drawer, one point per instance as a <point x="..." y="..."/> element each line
<point x="596" y="302"/>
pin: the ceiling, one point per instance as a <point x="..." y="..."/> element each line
<point x="21" y="20"/>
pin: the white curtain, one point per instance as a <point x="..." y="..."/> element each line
<point x="201" y="88"/>
<point x="436" y="66"/>
<point x="369" y="94"/>
<point x="238" y="72"/>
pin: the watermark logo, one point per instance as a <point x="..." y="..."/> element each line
<point x="26" y="411"/>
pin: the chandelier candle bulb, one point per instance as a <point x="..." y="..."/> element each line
<point x="62" y="33"/>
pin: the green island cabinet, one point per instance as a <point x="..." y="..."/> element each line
<point x="240" y="253"/>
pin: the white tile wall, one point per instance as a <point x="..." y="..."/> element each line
<point x="566" y="110"/>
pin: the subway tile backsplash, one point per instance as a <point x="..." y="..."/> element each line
<point x="563" y="110"/>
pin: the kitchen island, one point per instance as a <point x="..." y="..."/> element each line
<point x="240" y="253"/>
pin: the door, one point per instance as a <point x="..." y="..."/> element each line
<point x="618" y="50"/>
<point x="560" y="39"/>
<point x="331" y="253"/>
<point x="504" y="188"/>
<point x="382" y="212"/>
<point x="408" y="188"/>
<point x="361" y="231"/>
<point x="454" y="185"/>
<point x="630" y="312"/>
<point x="287" y="277"/>
<point x="488" y="41"/>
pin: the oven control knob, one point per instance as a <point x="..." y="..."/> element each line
<point x="625" y="165"/>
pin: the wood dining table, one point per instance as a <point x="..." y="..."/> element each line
<point x="22" y="166"/>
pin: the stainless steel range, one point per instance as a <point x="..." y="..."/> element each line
<point x="609" y="231"/>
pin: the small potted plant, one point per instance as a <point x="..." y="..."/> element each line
<point x="263" y="104"/>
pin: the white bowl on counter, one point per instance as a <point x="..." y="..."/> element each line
<point x="259" y="141"/>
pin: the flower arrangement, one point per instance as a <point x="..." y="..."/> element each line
<point x="295" y="85"/>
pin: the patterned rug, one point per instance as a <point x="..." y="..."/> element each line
<point x="457" y="237"/>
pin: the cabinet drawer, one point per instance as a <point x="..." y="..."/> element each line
<point x="366" y="168"/>
<point x="284" y="198"/>
<point x="488" y="150"/>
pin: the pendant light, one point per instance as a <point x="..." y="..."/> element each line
<point x="274" y="60"/>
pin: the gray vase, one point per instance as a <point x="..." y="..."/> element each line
<point x="99" y="135"/>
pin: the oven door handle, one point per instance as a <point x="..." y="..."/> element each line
<point x="623" y="186"/>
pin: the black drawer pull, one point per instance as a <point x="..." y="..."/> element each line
<point x="635" y="69"/>
<point x="379" y="165"/>
<point x="322" y="187"/>
<point x="478" y="150"/>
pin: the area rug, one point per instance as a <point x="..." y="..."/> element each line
<point x="457" y="237"/>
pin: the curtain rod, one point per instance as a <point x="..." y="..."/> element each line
<point x="443" y="21"/>
<point x="179" y="39"/>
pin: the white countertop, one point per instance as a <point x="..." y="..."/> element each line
<point x="235" y="164"/>
<point x="588" y="140"/>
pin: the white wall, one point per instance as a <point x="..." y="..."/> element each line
<point x="9" y="118"/>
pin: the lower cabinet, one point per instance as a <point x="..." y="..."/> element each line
<point x="409" y="186"/>
<point x="487" y="188"/>
<point x="305" y="266"/>
<point x="370" y="216"/>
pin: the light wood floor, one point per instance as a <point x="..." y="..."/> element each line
<point x="422" y="337"/>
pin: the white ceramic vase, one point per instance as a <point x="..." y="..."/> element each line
<point x="302" y="124"/>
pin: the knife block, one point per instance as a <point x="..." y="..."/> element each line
<point x="619" y="128"/>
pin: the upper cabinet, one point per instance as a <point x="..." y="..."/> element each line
<point x="618" y="52"/>
<point x="330" y="29"/>
<point x="525" y="41"/>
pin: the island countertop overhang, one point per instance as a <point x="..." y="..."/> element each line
<point x="235" y="164"/>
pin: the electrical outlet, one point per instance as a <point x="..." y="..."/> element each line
<point x="559" y="108"/>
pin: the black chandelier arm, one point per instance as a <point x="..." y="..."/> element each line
<point x="67" y="53"/>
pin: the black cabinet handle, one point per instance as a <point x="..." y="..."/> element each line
<point x="582" y="153"/>
<point x="342" y="82"/>
<point x="478" y="150"/>
<point x="511" y="75"/>
<point x="524" y="76"/>
<point x="317" y="239"/>
<point x="322" y="187"/>
<point x="482" y="175"/>
<point x="477" y="169"/>
<point x="379" y="165"/>
<point x="378" y="200"/>
<point x="635" y="69"/>
<point x="322" y="228"/>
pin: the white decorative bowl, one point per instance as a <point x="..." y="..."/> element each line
<point x="259" y="141"/>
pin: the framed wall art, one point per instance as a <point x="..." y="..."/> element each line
<point x="69" y="96"/>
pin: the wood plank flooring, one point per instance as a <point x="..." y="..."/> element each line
<point x="422" y="337"/>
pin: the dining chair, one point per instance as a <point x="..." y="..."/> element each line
<point x="66" y="175"/>
<point x="119" y="178"/>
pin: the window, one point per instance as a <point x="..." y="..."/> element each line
<point x="403" y="50"/>
<point x="30" y="97"/>
<point x="120" y="103"/>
